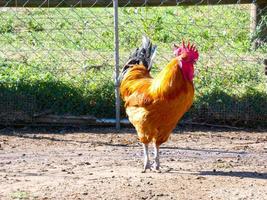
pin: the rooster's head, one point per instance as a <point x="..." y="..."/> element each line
<point x="188" y="55"/>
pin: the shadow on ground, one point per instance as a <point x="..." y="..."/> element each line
<point x="240" y="174"/>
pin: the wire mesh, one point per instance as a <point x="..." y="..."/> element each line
<point x="12" y="110"/>
<point x="64" y="57"/>
<point x="230" y="83"/>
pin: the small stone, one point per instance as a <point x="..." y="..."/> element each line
<point x="200" y="178"/>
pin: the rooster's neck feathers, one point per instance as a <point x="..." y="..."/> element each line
<point x="170" y="82"/>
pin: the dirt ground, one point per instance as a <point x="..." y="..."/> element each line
<point x="98" y="163"/>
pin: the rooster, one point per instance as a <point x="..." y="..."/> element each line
<point x="155" y="105"/>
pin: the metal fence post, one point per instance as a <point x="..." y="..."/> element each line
<point x="116" y="57"/>
<point x="258" y="29"/>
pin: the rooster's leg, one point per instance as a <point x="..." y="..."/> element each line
<point x="146" y="159"/>
<point x="156" y="154"/>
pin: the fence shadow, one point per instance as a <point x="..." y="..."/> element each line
<point x="204" y="150"/>
<point x="240" y="174"/>
<point x="41" y="130"/>
<point x="218" y="107"/>
<point x="21" y="101"/>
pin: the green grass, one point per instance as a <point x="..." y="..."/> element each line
<point x="20" y="195"/>
<point x="64" y="57"/>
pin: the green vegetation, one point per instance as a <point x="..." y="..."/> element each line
<point x="64" y="57"/>
<point x="20" y="195"/>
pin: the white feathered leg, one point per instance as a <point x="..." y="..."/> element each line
<point x="146" y="158"/>
<point x="156" y="154"/>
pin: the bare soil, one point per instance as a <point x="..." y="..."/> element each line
<point x="99" y="163"/>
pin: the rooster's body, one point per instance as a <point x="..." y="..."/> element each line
<point x="155" y="105"/>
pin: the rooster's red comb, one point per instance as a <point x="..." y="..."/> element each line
<point x="188" y="49"/>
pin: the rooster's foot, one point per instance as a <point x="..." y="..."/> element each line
<point x="146" y="167"/>
<point x="156" y="169"/>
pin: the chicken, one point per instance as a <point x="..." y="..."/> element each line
<point x="155" y="105"/>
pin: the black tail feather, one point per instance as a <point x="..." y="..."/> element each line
<point x="141" y="55"/>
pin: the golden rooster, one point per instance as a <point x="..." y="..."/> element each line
<point x="155" y="105"/>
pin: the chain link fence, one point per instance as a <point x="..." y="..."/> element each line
<point x="58" y="58"/>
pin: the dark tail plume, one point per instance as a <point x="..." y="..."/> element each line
<point x="142" y="55"/>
